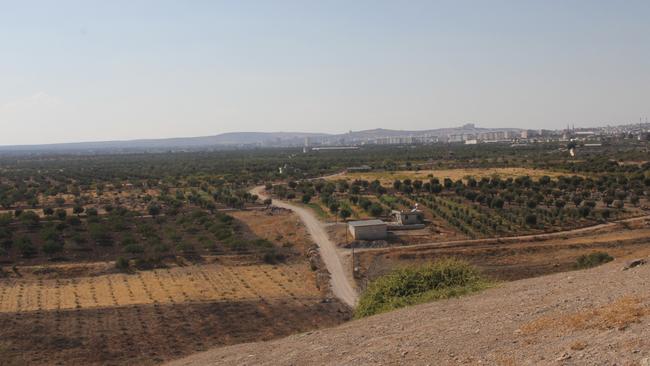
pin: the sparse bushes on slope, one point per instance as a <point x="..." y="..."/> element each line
<point x="408" y="286"/>
<point x="592" y="260"/>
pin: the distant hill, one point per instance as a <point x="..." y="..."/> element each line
<point x="237" y="140"/>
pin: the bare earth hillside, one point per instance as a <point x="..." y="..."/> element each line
<point x="593" y="317"/>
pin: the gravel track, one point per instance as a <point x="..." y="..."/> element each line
<point x="342" y="287"/>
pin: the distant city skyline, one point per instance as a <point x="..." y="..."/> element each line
<point x="76" y="71"/>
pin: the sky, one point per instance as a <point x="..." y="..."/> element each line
<point x="114" y="70"/>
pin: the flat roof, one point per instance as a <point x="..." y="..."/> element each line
<point x="366" y="223"/>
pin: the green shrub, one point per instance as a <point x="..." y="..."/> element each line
<point x="262" y="243"/>
<point x="186" y="248"/>
<point x="73" y="221"/>
<point x="122" y="264"/>
<point x="30" y="218"/>
<point x="52" y="247"/>
<point x="5" y="233"/>
<point x="50" y="234"/>
<point x="161" y="248"/>
<point x="78" y="239"/>
<point x="237" y="244"/>
<point x="531" y="220"/>
<point x="100" y="234"/>
<point x="26" y="248"/>
<point x="592" y="260"/>
<point x="208" y="243"/>
<point x="273" y="256"/>
<point x="408" y="286"/>
<point x="133" y="248"/>
<point x="5" y="220"/>
<point x="60" y="213"/>
<point x="375" y="209"/>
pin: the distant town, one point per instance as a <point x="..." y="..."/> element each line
<point x="470" y="134"/>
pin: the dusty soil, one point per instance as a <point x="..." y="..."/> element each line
<point x="512" y="260"/>
<point x="592" y="317"/>
<point x="152" y="333"/>
<point x="152" y="316"/>
<point x="88" y="314"/>
<point x="341" y="284"/>
<point x="281" y="227"/>
<point x="212" y="282"/>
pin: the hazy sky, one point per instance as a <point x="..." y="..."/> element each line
<point x="102" y="70"/>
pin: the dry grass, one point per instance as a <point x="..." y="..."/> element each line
<point x="150" y="334"/>
<point x="454" y="174"/>
<point x="578" y="345"/>
<point x="86" y="314"/>
<point x="281" y="227"/>
<point x="619" y="314"/>
<point x="176" y="285"/>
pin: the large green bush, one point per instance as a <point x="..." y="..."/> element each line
<point x="408" y="286"/>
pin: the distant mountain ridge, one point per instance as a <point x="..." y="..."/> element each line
<point x="225" y="139"/>
<point x="238" y="139"/>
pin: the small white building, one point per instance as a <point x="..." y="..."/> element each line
<point x="408" y="217"/>
<point x="368" y="229"/>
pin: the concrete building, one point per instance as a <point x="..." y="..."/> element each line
<point x="361" y="168"/>
<point x="407" y="217"/>
<point x="368" y="229"/>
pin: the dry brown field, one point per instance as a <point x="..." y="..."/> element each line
<point x="157" y="315"/>
<point x="89" y="314"/>
<point x="212" y="282"/>
<point x="279" y="226"/>
<point x="455" y="174"/>
<point x="508" y="260"/>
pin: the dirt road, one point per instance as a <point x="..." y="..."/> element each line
<point x="341" y="285"/>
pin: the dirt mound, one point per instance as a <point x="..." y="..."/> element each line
<point x="597" y="316"/>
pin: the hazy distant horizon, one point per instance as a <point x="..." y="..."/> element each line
<point x="298" y="132"/>
<point x="83" y="72"/>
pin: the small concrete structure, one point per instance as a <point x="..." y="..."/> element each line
<point x="407" y="217"/>
<point x="368" y="229"/>
<point x="358" y="169"/>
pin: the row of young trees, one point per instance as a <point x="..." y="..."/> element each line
<point x="489" y="205"/>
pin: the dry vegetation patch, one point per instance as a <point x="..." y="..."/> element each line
<point x="454" y="174"/>
<point x="91" y="314"/>
<point x="153" y="333"/>
<point x="183" y="284"/>
<point x="616" y="315"/>
<point x="282" y="227"/>
<point x="513" y="259"/>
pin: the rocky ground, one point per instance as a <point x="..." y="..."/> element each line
<point x="592" y="317"/>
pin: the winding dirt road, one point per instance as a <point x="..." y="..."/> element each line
<point x="341" y="285"/>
